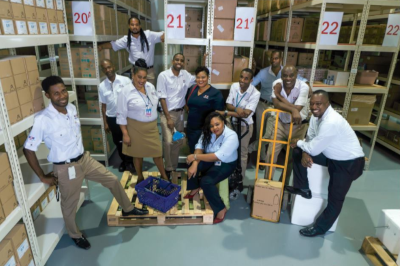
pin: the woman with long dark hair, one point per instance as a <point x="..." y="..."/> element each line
<point x="201" y="99"/>
<point x="137" y="117"/>
<point x="215" y="157"/>
<point x="139" y="44"/>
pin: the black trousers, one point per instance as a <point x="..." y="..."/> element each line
<point x="341" y="175"/>
<point x="193" y="136"/>
<point x="210" y="176"/>
<point x="117" y="138"/>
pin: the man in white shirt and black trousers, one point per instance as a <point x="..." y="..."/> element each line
<point x="109" y="90"/>
<point x="172" y="86"/>
<point x="333" y="143"/>
<point x="59" y="127"/>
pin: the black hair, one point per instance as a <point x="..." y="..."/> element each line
<point x="51" y="81"/>
<point x="206" y="128"/>
<point x="201" y="69"/>
<point x="178" y="54"/>
<point x="276" y="51"/>
<point x="324" y="93"/>
<point x="248" y="70"/>
<point x="140" y="64"/>
<point x="143" y="38"/>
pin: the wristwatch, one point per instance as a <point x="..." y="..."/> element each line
<point x="226" y="113"/>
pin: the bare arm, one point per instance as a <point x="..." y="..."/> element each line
<point x="103" y="111"/>
<point x="125" y="135"/>
<point x="170" y="122"/>
<point x="34" y="164"/>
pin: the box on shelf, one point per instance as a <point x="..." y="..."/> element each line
<point x="6" y="178"/>
<point x="41" y="14"/>
<point x="11" y="100"/>
<point x="2" y="218"/>
<point x="51" y="192"/>
<point x="7" y="252"/>
<point x="18" y="11"/>
<point x="192" y="62"/>
<point x="225" y="9"/>
<point x="15" y="115"/>
<point x="388" y="230"/>
<point x="27" y="259"/>
<point x="366" y="77"/>
<point x="340" y="78"/>
<point x="19" y="240"/>
<point x="193" y="29"/>
<point x="310" y="30"/>
<point x="24" y="96"/>
<point x="4" y="163"/>
<point x="27" y="110"/>
<point x="88" y="144"/>
<point x="86" y="131"/>
<point x="222" y="54"/>
<point x="193" y="14"/>
<point x="43" y="202"/>
<point x="291" y="58"/>
<point x="239" y="63"/>
<point x="8" y="84"/>
<point x="30" y="13"/>
<point x="33" y="27"/>
<point x="279" y="29"/>
<point x="43" y="28"/>
<point x="223" y="29"/>
<point x="5" y="10"/>
<point x="305" y="59"/>
<point x="60" y="16"/>
<point x="98" y="146"/>
<point x="266" y="199"/>
<point x="7" y="26"/>
<point x="93" y="107"/>
<point x="221" y="73"/>
<point x="96" y="134"/>
<point x="305" y="72"/>
<point x="192" y="50"/>
<point x="42" y="3"/>
<point x="360" y="109"/>
<point x="8" y="199"/>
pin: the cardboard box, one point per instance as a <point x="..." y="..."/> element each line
<point x="30" y="13"/>
<point x="18" y="11"/>
<point x="291" y="58"/>
<point x="49" y="4"/>
<point x="42" y="4"/>
<point x="35" y="210"/>
<point x="239" y="63"/>
<point x="43" y="202"/>
<point x="38" y="104"/>
<point x="279" y="29"/>
<point x="88" y="144"/>
<point x="21" y="81"/>
<point x="262" y="33"/>
<point x="11" y="100"/>
<point x="51" y="15"/>
<point x="51" y="192"/>
<point x="388" y="230"/>
<point x="86" y="132"/>
<point x="19" y="240"/>
<point x="340" y="78"/>
<point x="24" y="96"/>
<point x="27" y="109"/>
<point x="61" y="27"/>
<point x="305" y="59"/>
<point x="225" y="9"/>
<point x="222" y="54"/>
<point x="29" y="3"/>
<point x="5" y="10"/>
<point x="223" y="29"/>
<point x="193" y="29"/>
<point x="30" y="63"/>
<point x="7" y="253"/>
<point x="2" y="218"/>
<point x="8" y="200"/>
<point x="4" y="163"/>
<point x="93" y="107"/>
<point x="98" y="147"/>
<point x="96" y="134"/>
<point x="8" y="84"/>
<point x="192" y="62"/>
<point x="310" y="30"/>
<point x="193" y="14"/>
<point x="221" y="73"/>
<point x="5" y="67"/>
<point x="6" y="178"/>
<point x="53" y="28"/>
<point x="33" y="27"/>
<point x="393" y="96"/>
<point x="27" y="259"/>
<point x="17" y="64"/>
<point x="360" y="109"/>
<point x="36" y="91"/>
<point x="7" y="26"/>
<point x="192" y="50"/>
<point x="266" y="200"/>
<point x="15" y="115"/>
<point x="41" y="14"/>
<point x="366" y="77"/>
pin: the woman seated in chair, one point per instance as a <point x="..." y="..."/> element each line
<point x="215" y="157"/>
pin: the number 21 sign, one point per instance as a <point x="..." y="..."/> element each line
<point x="244" y="24"/>
<point x="330" y="28"/>
<point x="175" y="21"/>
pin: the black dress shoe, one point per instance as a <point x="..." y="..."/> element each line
<point x="122" y="167"/>
<point x="305" y="193"/>
<point x="82" y="242"/>
<point x="311" y="231"/>
<point x="135" y="211"/>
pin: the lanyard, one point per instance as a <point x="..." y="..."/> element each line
<point x="237" y="97"/>
<point x="149" y="102"/>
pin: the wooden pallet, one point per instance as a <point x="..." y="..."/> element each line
<point x="187" y="211"/>
<point x="377" y="253"/>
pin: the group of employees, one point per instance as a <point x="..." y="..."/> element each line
<point x="129" y="108"/>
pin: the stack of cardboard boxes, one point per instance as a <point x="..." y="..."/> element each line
<point x="44" y="200"/>
<point x="193" y="23"/>
<point x="32" y="17"/>
<point x="21" y="86"/>
<point x="93" y="140"/>
<point x="15" y="248"/>
<point x="224" y="19"/>
<point x="261" y="33"/>
<point x="264" y="6"/>
<point x="360" y="109"/>
<point x="374" y="34"/>
<point x="279" y="30"/>
<point x="8" y="201"/>
<point x="222" y="64"/>
<point x="143" y="6"/>
<point x="193" y="57"/>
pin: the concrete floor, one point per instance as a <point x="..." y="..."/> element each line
<point x="239" y="240"/>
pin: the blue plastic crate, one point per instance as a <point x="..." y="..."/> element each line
<point x="158" y="193"/>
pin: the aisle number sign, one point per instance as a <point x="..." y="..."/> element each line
<point x="175" y="21"/>
<point x="392" y="34"/>
<point x="82" y="18"/>
<point x="244" y="24"/>
<point x="330" y="28"/>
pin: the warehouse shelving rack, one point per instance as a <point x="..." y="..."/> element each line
<point x="46" y="231"/>
<point x="359" y="11"/>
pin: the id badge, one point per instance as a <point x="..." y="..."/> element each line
<point x="148" y="112"/>
<point x="71" y="172"/>
<point x="217" y="163"/>
<point x="182" y="117"/>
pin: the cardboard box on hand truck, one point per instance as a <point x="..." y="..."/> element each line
<point x="266" y="200"/>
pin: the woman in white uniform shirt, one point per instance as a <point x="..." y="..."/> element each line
<point x="137" y="117"/>
<point x="215" y="157"/>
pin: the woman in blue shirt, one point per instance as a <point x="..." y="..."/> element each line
<point x="215" y="157"/>
<point x="201" y="99"/>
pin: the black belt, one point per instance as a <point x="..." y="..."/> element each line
<point x="263" y="100"/>
<point x="71" y="160"/>
<point x="305" y="121"/>
<point x="177" y="109"/>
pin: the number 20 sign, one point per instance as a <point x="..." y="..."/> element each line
<point x="330" y="28"/>
<point x="175" y="21"/>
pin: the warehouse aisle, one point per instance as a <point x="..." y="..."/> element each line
<point x="239" y="240"/>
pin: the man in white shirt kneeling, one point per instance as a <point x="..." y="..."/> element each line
<point x="333" y="143"/>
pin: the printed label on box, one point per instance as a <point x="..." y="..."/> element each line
<point x="23" y="248"/>
<point x="354" y="109"/>
<point x="43" y="28"/>
<point x="44" y="203"/>
<point x="220" y="28"/>
<point x="40" y="3"/>
<point x="36" y="213"/>
<point x="62" y="28"/>
<point x="29" y="3"/>
<point x="216" y="72"/>
<point x="33" y="29"/>
<point x="49" y="4"/>
<point x="220" y="8"/>
<point x="59" y="4"/>
<point x="16" y="1"/>
<point x="11" y="262"/>
<point x="8" y="26"/>
<point x="53" y="28"/>
<point x="51" y="194"/>
<point x="21" y="27"/>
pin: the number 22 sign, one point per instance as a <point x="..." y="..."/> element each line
<point x="175" y="21"/>
<point x="392" y="34"/>
<point x="330" y="28"/>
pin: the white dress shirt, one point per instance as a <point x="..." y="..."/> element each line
<point x="298" y="96"/>
<point x="108" y="93"/>
<point x="60" y="132"/>
<point x="333" y="136"/>
<point x="136" y="47"/>
<point x="247" y="100"/>
<point x="173" y="88"/>
<point x="225" y="147"/>
<point x="132" y="103"/>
